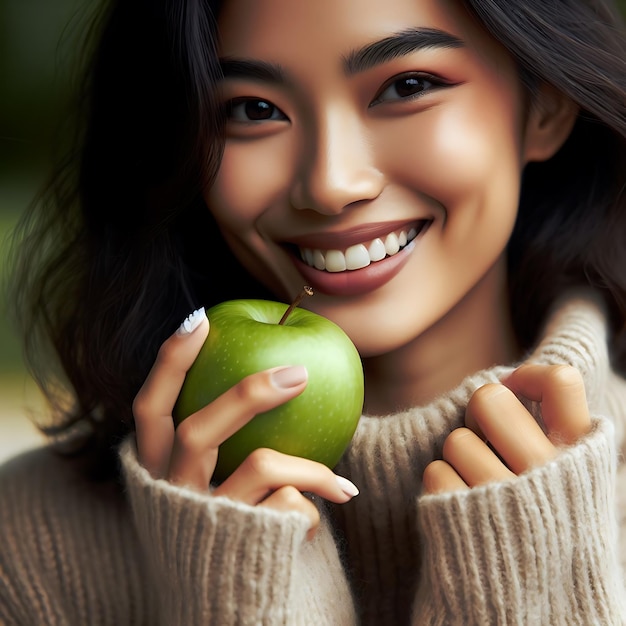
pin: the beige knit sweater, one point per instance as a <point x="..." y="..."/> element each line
<point x="542" y="549"/>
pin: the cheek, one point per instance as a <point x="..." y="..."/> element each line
<point x="249" y="181"/>
<point x="484" y="162"/>
<point x="468" y="153"/>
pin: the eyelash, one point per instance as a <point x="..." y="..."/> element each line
<point x="426" y="82"/>
<point x="243" y="103"/>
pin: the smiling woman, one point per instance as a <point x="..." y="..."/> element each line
<point x="448" y="176"/>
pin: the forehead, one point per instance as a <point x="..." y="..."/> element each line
<point x="270" y="28"/>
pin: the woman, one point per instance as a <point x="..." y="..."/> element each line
<point x="482" y="146"/>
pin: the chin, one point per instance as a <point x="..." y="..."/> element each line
<point x="375" y="329"/>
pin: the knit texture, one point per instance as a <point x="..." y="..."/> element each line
<point x="542" y="549"/>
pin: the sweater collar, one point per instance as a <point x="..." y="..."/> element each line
<point x="575" y="333"/>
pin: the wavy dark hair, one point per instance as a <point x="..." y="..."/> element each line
<point x="119" y="246"/>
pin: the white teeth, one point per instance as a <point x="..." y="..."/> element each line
<point x="392" y="245"/>
<point x="377" y="250"/>
<point x="335" y="261"/>
<point x="359" y="255"/>
<point x="318" y="260"/>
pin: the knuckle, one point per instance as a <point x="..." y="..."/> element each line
<point x="484" y="396"/>
<point x="487" y="392"/>
<point x="261" y="462"/>
<point x="188" y="437"/>
<point x="141" y="407"/>
<point x="564" y="376"/>
<point x="290" y="497"/>
<point x="249" y="389"/>
<point x="455" y="440"/>
<point x="174" y="357"/>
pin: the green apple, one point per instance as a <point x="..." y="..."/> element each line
<point x="248" y="336"/>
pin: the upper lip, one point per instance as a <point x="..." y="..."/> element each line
<point x="338" y="240"/>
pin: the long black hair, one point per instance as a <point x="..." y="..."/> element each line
<point x="119" y="247"/>
<point x="571" y="225"/>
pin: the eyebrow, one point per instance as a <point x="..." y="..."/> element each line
<point x="234" y="67"/>
<point x="397" y="45"/>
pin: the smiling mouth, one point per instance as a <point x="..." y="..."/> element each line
<point x="363" y="254"/>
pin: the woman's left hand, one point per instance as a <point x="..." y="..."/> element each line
<point x="501" y="438"/>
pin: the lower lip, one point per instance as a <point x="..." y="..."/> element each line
<point x="356" y="282"/>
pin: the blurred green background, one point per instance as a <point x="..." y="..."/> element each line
<point x="35" y="48"/>
<point x="37" y="40"/>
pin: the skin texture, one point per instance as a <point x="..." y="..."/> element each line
<point x="339" y="152"/>
<point x="336" y="162"/>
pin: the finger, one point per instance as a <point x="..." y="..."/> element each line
<point x="265" y="471"/>
<point x="561" y="391"/>
<point x="439" y="476"/>
<point x="195" y="449"/>
<point x="472" y="424"/>
<point x="509" y="428"/>
<point x="152" y="407"/>
<point x="473" y="460"/>
<point x="289" y="499"/>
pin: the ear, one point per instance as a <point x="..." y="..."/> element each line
<point x="550" y="121"/>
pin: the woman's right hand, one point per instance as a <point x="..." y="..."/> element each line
<point x="187" y="455"/>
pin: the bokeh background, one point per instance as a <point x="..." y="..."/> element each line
<point x="38" y="39"/>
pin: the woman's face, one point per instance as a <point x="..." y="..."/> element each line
<point x="373" y="151"/>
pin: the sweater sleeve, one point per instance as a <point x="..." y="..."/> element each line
<point x="541" y="549"/>
<point x="219" y="562"/>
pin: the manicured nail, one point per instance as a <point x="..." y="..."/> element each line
<point x="288" y="377"/>
<point x="191" y="322"/>
<point x="349" y="488"/>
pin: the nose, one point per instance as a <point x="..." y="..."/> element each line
<point x="336" y="168"/>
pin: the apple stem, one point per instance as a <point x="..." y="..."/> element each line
<point x="306" y="291"/>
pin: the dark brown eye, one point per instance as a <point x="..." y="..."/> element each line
<point x="253" y="110"/>
<point x="407" y="87"/>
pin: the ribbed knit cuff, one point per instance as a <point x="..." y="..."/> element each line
<point x="188" y="537"/>
<point x="541" y="549"/>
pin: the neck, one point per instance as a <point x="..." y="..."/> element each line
<point x="475" y="334"/>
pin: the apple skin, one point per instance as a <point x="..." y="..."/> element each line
<point x="245" y="338"/>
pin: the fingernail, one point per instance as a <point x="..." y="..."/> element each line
<point x="288" y="377"/>
<point x="191" y="322"/>
<point x="348" y="487"/>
